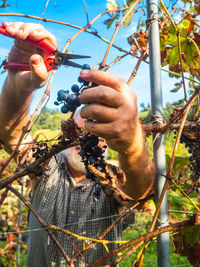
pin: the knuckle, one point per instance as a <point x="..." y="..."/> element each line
<point x="83" y="112"/>
<point x="103" y="93"/>
<point x="117" y="131"/>
<point x="88" y="111"/>
<point x="93" y="74"/>
<point x="96" y="75"/>
<point x="52" y="37"/>
<point x="91" y="109"/>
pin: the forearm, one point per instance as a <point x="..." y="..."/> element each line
<point x="138" y="167"/>
<point x="14" y="109"/>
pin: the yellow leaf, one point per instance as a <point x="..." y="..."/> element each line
<point x="111" y="5"/>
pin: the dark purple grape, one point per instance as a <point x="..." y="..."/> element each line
<point x="64" y="109"/>
<point x="97" y="193"/>
<point x="36" y="155"/>
<point x="60" y="93"/>
<point x="91" y="154"/>
<point x="86" y="66"/>
<point x="97" y="190"/>
<point x="63" y="95"/>
<point x="80" y="80"/>
<point x="72" y="98"/>
<point x="70" y="106"/>
<point x="98" y="151"/>
<point x="91" y="160"/>
<point x="75" y="88"/>
<point x="56" y="103"/>
<point x="99" y="168"/>
<point x="85" y="83"/>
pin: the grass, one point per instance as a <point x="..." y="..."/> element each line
<point x="150" y="260"/>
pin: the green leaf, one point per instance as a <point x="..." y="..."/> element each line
<point x="109" y="22"/>
<point x="192" y="235"/>
<point x="139" y="24"/>
<point x="173" y="56"/>
<point x="129" y="17"/>
<point x="175" y="89"/>
<point x="189" y="50"/>
<point x="183" y="27"/>
<point x="130" y="2"/>
<point x="111" y="5"/>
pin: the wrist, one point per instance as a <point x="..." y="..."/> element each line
<point x="18" y="83"/>
<point x="137" y="144"/>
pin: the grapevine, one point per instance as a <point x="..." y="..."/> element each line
<point x="91" y="153"/>
<point x="180" y="52"/>
<point x="70" y="101"/>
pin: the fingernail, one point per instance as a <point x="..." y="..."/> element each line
<point x="36" y="60"/>
<point x="7" y="23"/>
<point x="84" y="72"/>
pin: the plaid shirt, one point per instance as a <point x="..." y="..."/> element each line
<point x="62" y="202"/>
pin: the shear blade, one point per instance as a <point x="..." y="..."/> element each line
<point x="72" y="64"/>
<point x="73" y="56"/>
<point x="63" y="59"/>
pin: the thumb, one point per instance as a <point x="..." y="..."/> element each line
<point x="39" y="72"/>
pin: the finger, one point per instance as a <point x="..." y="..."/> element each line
<point x="25" y="29"/>
<point x="27" y="47"/>
<point x="104" y="78"/>
<point x="39" y="72"/>
<point x="101" y="94"/>
<point x="22" y="52"/>
<point x="41" y="34"/>
<point x="105" y="130"/>
<point x="6" y="24"/>
<point x="100" y="113"/>
<point x="13" y="28"/>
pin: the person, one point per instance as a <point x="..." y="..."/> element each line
<point x="62" y="195"/>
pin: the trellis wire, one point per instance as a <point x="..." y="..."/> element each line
<point x="134" y="225"/>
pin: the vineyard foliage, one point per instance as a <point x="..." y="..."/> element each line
<point x="180" y="56"/>
<point x="47" y="126"/>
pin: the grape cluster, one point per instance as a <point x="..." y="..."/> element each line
<point x="40" y="150"/>
<point x="193" y="146"/>
<point x="92" y="154"/>
<point x="69" y="100"/>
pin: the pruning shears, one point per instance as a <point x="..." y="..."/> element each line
<point x="54" y="57"/>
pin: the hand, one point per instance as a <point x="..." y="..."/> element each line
<point x="24" y="52"/>
<point x="113" y="107"/>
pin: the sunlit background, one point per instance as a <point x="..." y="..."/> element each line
<point x="74" y="12"/>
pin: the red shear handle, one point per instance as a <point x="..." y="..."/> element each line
<point x="49" y="63"/>
<point x="16" y="66"/>
<point x="45" y="44"/>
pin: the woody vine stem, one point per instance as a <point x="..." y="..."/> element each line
<point x="171" y="124"/>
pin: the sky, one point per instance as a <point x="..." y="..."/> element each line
<point x="73" y="12"/>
